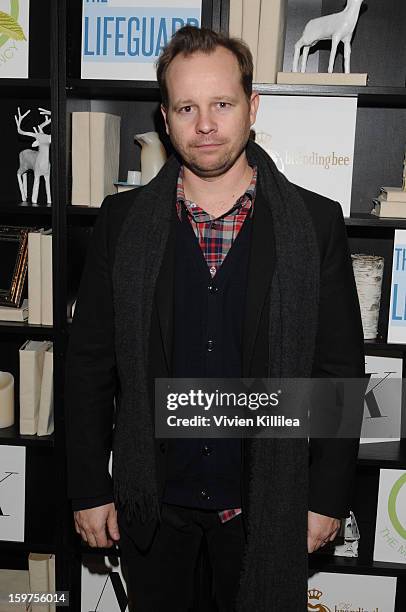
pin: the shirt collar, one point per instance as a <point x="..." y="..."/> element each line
<point x="195" y="211"/>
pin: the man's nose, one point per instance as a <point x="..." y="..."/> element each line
<point x="205" y="122"/>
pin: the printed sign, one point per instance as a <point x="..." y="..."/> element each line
<point x="311" y="140"/>
<point x="383" y="400"/>
<point x="331" y="592"/>
<point x="12" y="493"/>
<point x="103" y="585"/>
<point x="14" y="38"/>
<point x="122" y="39"/>
<point x="390" y="532"/>
<point x="397" y="309"/>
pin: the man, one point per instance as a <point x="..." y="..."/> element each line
<point x="218" y="268"/>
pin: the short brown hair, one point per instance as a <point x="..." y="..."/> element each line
<point x="189" y="40"/>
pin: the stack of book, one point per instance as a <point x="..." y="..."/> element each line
<point x="40" y="277"/>
<point x="36" y="388"/>
<point x="95" y="157"/>
<point x="391" y="202"/>
<point x="262" y="25"/>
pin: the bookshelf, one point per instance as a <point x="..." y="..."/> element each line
<point x="55" y="33"/>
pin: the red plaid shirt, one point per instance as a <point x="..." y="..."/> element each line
<point x="215" y="236"/>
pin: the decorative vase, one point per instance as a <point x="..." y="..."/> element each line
<point x="368" y="272"/>
<point x="6" y="399"/>
<point x="153" y="155"/>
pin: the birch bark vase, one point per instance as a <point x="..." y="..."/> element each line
<point x="368" y="272"/>
<point x="6" y="399"/>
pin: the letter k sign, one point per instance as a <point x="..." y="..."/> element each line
<point x="370" y="399"/>
<point x="7" y="475"/>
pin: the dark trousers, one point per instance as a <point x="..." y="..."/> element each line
<point x="163" y="577"/>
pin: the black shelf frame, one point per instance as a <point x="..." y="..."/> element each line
<point x="25" y="88"/>
<point x="62" y="90"/>
<point x="10" y="435"/>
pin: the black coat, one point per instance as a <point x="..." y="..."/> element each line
<point x="92" y="380"/>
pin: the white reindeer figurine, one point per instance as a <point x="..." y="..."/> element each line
<point x="338" y="27"/>
<point x="38" y="161"/>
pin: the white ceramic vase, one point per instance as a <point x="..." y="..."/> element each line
<point x="153" y="155"/>
<point x="368" y="272"/>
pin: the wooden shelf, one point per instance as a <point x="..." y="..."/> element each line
<point x="368" y="220"/>
<point x="149" y="90"/>
<point x="25" y="88"/>
<point x="350" y="565"/>
<point x="382" y="345"/>
<point x="388" y="455"/>
<point x="124" y="90"/>
<point x="83" y="210"/>
<point x="11" y="436"/>
<point x="367" y="96"/>
<point x="26" y="547"/>
<point x="24" y="208"/>
<point x="45" y="332"/>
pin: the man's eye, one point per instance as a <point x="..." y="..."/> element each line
<point x="223" y="104"/>
<point x="185" y="109"/>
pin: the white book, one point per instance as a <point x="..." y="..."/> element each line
<point x="235" y="18"/>
<point x="393" y="194"/>
<point x="14" y="581"/>
<point x="46" y="404"/>
<point x="39" y="578"/>
<point x="250" y="26"/>
<point x="104" y="155"/>
<point x="8" y="313"/>
<point x="34" y="277"/>
<point x="271" y="40"/>
<point x="46" y="278"/>
<point x="51" y="580"/>
<point x="81" y="158"/>
<point x="383" y="208"/>
<point x="31" y="356"/>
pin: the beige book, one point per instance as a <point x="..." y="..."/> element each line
<point x="235" y="18"/>
<point x="321" y="78"/>
<point x="389" y="209"/>
<point x="46" y="403"/>
<point x="271" y="40"/>
<point x="81" y="158"/>
<point x="46" y="278"/>
<point x="34" y="277"/>
<point x="104" y="155"/>
<point x="51" y="579"/>
<point x="31" y="356"/>
<point x="39" y="578"/>
<point x="392" y="194"/>
<point x="250" y="26"/>
<point x="13" y="581"/>
<point x="8" y="313"/>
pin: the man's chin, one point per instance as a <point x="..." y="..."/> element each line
<point x="209" y="170"/>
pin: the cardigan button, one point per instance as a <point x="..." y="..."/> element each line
<point x="204" y="494"/>
<point x="206" y="450"/>
<point x="212" y="288"/>
<point x="210" y="345"/>
<point x="162" y="447"/>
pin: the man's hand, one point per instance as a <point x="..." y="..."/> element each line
<point x="320" y="530"/>
<point x="98" y="526"/>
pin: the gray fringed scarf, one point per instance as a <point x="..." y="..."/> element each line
<point x="274" y="575"/>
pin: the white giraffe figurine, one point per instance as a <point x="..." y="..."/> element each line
<point x="37" y="161"/>
<point x="338" y="26"/>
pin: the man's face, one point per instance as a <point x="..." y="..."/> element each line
<point x="209" y="116"/>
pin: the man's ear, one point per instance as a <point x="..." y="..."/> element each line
<point x="164" y="112"/>
<point x="254" y="103"/>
